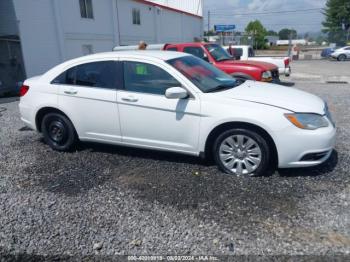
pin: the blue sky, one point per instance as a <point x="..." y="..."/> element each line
<point x="227" y="12"/>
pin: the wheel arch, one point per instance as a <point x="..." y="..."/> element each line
<point x="215" y="132"/>
<point x="45" y="110"/>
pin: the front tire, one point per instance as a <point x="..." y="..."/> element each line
<point x="341" y="58"/>
<point x="242" y="152"/>
<point x="59" y="132"/>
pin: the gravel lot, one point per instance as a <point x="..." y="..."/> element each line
<point x="103" y="201"/>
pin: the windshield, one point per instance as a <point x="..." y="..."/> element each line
<point x="218" y="53"/>
<point x="205" y="76"/>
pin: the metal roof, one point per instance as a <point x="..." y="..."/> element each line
<point x="190" y="7"/>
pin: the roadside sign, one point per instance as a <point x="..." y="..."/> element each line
<point x="224" y="28"/>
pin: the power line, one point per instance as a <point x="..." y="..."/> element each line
<point x="270" y="12"/>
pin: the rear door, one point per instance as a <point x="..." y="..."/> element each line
<point x="87" y="94"/>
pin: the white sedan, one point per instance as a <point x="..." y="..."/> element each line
<point x="176" y="102"/>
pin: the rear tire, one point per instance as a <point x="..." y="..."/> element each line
<point x="342" y="58"/>
<point x="59" y="132"/>
<point x="241" y="151"/>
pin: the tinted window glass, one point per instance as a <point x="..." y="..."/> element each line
<point x="147" y="78"/>
<point x="196" y="51"/>
<point x="104" y="74"/>
<point x="237" y="52"/>
<point x="171" y="49"/>
<point x="251" y="52"/>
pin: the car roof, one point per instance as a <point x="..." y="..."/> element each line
<point x="140" y="54"/>
<point x="162" y="55"/>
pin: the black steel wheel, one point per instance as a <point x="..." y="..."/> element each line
<point x="59" y="132"/>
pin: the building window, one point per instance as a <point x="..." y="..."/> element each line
<point x="136" y="17"/>
<point x="87" y="49"/>
<point x="86" y="9"/>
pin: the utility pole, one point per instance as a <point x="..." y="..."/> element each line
<point x="208" y="21"/>
<point x="290" y="44"/>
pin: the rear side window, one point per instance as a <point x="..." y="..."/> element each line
<point x="106" y="74"/>
<point x="237" y="52"/>
<point x="171" y="49"/>
<point x="147" y="78"/>
<point x="196" y="51"/>
<point x="251" y="52"/>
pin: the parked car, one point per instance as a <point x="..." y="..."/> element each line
<point x="176" y="102"/>
<point x="341" y="54"/>
<point x="326" y="53"/>
<point x="216" y="55"/>
<point x="220" y="58"/>
<point x="246" y="53"/>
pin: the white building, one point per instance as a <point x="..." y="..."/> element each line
<point x="52" y="31"/>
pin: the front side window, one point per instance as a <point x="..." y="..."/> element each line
<point x="136" y="17"/>
<point x="205" y="76"/>
<point x="104" y="74"/>
<point x="86" y="9"/>
<point x="218" y="53"/>
<point x="196" y="51"/>
<point x="147" y="78"/>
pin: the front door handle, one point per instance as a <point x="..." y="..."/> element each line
<point x="70" y="92"/>
<point x="130" y="99"/>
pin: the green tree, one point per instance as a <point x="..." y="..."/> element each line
<point x="285" y="32"/>
<point x="337" y="21"/>
<point x="209" y="33"/>
<point x="258" y="32"/>
<point x="272" y="33"/>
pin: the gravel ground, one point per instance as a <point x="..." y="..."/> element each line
<point x="320" y="71"/>
<point x="104" y="201"/>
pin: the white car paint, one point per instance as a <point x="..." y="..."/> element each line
<point x="179" y="125"/>
<point x="278" y="61"/>
<point x="341" y="51"/>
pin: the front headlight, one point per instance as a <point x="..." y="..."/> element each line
<point x="307" y="121"/>
<point x="266" y="75"/>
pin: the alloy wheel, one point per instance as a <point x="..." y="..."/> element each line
<point x="240" y="154"/>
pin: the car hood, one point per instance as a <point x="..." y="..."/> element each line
<point x="263" y="65"/>
<point x="276" y="95"/>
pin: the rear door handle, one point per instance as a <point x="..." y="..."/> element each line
<point x="130" y="99"/>
<point x="70" y="92"/>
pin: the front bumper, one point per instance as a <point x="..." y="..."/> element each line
<point x="295" y="146"/>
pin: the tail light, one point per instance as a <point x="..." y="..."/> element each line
<point x="23" y="90"/>
<point x="286" y="62"/>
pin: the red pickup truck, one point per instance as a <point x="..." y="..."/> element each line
<point x="216" y="55"/>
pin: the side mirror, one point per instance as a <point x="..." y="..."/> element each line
<point x="176" y="93"/>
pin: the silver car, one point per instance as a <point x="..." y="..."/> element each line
<point x="341" y="54"/>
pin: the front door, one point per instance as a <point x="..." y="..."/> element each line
<point x="148" y="118"/>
